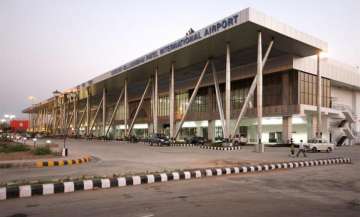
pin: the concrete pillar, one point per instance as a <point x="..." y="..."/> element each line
<point x="199" y="131"/>
<point x="172" y="102"/>
<point x="211" y="130"/>
<point x="64" y="116"/>
<point x="259" y="147"/>
<point x="311" y="125"/>
<point x="325" y="126"/>
<point x="319" y="96"/>
<point x="88" y="111"/>
<point x="227" y="92"/>
<point x="104" y="113"/>
<point x="126" y="107"/>
<point x="75" y="113"/>
<point x="156" y="98"/>
<point x="286" y="129"/>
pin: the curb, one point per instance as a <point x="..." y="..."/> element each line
<point x="46" y="163"/>
<point x="69" y="162"/>
<point x="97" y="183"/>
<point x="205" y="147"/>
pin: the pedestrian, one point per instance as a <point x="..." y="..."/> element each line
<point x="301" y="149"/>
<point x="292" y="148"/>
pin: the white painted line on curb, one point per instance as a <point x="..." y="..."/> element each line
<point x="197" y="174"/>
<point x="69" y="187"/>
<point x="136" y="180"/>
<point x="121" y="181"/>
<point x="176" y="176"/>
<point x="2" y="193"/>
<point x="163" y="177"/>
<point x="48" y="189"/>
<point x="25" y="191"/>
<point x="187" y="175"/>
<point x="88" y="184"/>
<point x="150" y="179"/>
<point x="105" y="183"/>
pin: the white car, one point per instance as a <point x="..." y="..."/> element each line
<point x="317" y="145"/>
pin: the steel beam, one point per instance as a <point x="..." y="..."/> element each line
<point x="96" y="114"/>
<point x="115" y="110"/>
<point x="139" y="106"/>
<point x="193" y="95"/>
<point x="218" y="97"/>
<point x="172" y="101"/>
<point x="80" y="121"/>
<point x="227" y="92"/>
<point x="251" y="90"/>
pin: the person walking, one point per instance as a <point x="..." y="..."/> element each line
<point x="292" y="148"/>
<point x="301" y="149"/>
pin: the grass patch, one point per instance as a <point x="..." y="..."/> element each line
<point x="44" y="150"/>
<point x="13" y="147"/>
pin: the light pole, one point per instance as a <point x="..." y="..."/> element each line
<point x="57" y="93"/>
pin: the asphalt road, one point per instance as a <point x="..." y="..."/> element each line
<point x="315" y="191"/>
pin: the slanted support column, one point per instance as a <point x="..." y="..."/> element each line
<point x="259" y="94"/>
<point x="319" y="96"/>
<point x="114" y="112"/>
<point x="192" y="98"/>
<point x="138" y="107"/>
<point x="227" y="92"/>
<point x="172" y="102"/>
<point x="252" y="89"/>
<point x="218" y="97"/>
<point x="156" y="97"/>
<point x="126" y="106"/>
<point x="104" y="112"/>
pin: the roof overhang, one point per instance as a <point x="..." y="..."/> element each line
<point x="240" y="30"/>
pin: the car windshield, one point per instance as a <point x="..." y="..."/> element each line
<point x="317" y="141"/>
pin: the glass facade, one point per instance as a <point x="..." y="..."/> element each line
<point x="164" y="106"/>
<point x="308" y="90"/>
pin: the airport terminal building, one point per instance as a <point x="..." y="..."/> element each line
<point x="247" y="74"/>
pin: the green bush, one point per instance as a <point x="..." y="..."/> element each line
<point x="44" y="150"/>
<point x="13" y="147"/>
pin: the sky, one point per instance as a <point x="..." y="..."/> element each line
<point x="55" y="45"/>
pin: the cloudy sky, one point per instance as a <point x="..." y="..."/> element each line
<point x="48" y="45"/>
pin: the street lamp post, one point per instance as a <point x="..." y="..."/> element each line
<point x="65" y="128"/>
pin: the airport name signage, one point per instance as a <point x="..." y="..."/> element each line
<point x="189" y="39"/>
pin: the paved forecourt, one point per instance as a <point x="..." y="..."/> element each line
<point x="121" y="159"/>
<point x="22" y="191"/>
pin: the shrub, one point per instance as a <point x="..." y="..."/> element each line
<point x="13" y="147"/>
<point x="42" y="150"/>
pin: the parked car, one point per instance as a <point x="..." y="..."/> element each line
<point x="196" y="140"/>
<point x="317" y="145"/>
<point x="159" y="139"/>
<point x="239" y="140"/>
